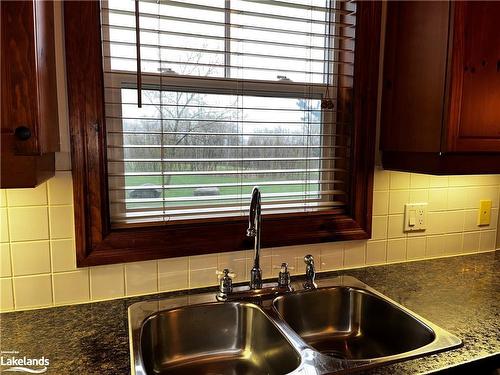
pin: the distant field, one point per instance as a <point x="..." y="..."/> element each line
<point x="201" y="180"/>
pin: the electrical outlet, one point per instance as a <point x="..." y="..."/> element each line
<point x="484" y="215"/>
<point x="415" y="217"/>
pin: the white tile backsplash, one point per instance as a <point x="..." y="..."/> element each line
<point x="379" y="227"/>
<point x="4" y="226"/>
<point x="376" y="252"/>
<point x="380" y="203"/>
<point x="38" y="265"/>
<point x="3" y="197"/>
<point x="419" y="196"/>
<point x="354" y="254"/>
<point x="452" y="243"/>
<point x="27" y="197"/>
<point x="332" y="257"/>
<point x="60" y="189"/>
<point x="33" y="291"/>
<point x="438" y="181"/>
<point x="61" y="221"/>
<point x="435" y="246"/>
<point x="141" y="278"/>
<point x="396" y="250"/>
<point x="6" y="295"/>
<point x="437" y="199"/>
<point x="63" y="254"/>
<point x="71" y="287"/>
<point x="395" y="226"/>
<point x="28" y="223"/>
<point x="471" y="242"/>
<point x="5" y="262"/>
<point x="415" y="248"/>
<point x="29" y="258"/>
<point x="419" y="181"/>
<point x="397" y="201"/>
<point x="107" y="282"/>
<point x="487" y="240"/>
<point x="31" y="217"/>
<point x="399" y="180"/>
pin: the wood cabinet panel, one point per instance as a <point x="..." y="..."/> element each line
<point x="475" y="112"/>
<point x="18" y="70"/>
<point x="412" y="112"/>
<point x="441" y="92"/>
<point x="29" y="118"/>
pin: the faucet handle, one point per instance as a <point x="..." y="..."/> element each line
<point x="226" y="272"/>
<point x="309" y="259"/>
<point x="225" y="284"/>
<point x="284" y="275"/>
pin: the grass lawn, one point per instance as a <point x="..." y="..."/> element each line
<point x="201" y="180"/>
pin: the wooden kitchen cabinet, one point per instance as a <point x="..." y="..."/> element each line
<point x="441" y="87"/>
<point x="30" y="126"/>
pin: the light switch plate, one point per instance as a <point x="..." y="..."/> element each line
<point x="415" y="217"/>
<point x="484" y="215"/>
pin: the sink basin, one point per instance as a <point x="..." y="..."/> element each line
<point x="342" y="326"/>
<point x="351" y="323"/>
<point x="218" y="338"/>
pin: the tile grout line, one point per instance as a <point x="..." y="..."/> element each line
<point x="49" y="224"/>
<point x="11" y="257"/>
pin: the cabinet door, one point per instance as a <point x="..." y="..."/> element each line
<point x="29" y="117"/>
<point x="474" y="111"/>
<point x="416" y="43"/>
<point x="29" y="95"/>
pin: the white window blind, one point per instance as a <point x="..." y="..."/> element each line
<point x="205" y="99"/>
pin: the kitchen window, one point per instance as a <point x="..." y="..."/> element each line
<point x="179" y="108"/>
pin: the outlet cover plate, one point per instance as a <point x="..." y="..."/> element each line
<point x="484" y="215"/>
<point x="415" y="217"/>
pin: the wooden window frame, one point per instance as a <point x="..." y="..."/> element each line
<point x="97" y="243"/>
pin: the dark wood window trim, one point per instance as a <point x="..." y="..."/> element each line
<point x="97" y="243"/>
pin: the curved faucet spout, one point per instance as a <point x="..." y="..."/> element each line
<point x="254" y="214"/>
<point x="254" y="230"/>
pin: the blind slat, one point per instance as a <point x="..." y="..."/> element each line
<point x="185" y="119"/>
<point x="224" y="172"/>
<point x="263" y="147"/>
<point x="225" y="185"/>
<point x="161" y="219"/>
<point x="211" y="160"/>
<point x="229" y="197"/>
<point x="228" y="208"/>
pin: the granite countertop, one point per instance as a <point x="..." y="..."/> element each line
<point x="459" y="294"/>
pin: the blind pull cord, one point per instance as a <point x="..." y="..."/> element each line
<point x="138" y="55"/>
<point x="327" y="102"/>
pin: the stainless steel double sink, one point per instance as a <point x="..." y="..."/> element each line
<point x="344" y="325"/>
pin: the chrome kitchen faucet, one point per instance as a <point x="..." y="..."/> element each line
<point x="256" y="289"/>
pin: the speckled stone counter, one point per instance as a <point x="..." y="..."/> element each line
<point x="460" y="294"/>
